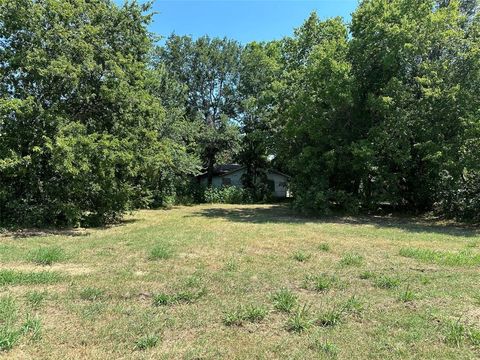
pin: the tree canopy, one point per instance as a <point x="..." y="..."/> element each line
<point x="97" y="118"/>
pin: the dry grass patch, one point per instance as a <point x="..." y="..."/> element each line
<point x="287" y="286"/>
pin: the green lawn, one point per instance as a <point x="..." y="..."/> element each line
<point x="244" y="282"/>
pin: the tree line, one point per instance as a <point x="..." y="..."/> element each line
<point x="97" y="117"/>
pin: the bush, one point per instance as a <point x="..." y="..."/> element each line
<point x="227" y="195"/>
<point x="460" y="199"/>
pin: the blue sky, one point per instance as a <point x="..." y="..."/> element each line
<point x="243" y="20"/>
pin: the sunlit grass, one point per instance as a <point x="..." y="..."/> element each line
<point x="226" y="281"/>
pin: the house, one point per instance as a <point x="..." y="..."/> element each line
<point x="231" y="175"/>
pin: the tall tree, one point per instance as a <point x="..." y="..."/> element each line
<point x="316" y="114"/>
<point x="260" y="73"/>
<point x="79" y="127"/>
<point x="209" y="68"/>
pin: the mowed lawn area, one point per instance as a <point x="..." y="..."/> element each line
<point x="242" y="282"/>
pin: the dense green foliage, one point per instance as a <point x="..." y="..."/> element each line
<point x="388" y="116"/>
<point x="209" y="70"/>
<point x="227" y="195"/>
<point x="97" y="119"/>
<point x="83" y="136"/>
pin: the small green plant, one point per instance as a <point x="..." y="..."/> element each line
<point x="184" y="296"/>
<point x="455" y="333"/>
<point x="407" y="295"/>
<point x="386" y="282"/>
<point x="326" y="347"/>
<point x="353" y="305"/>
<point x="32" y="325"/>
<point x="365" y="275"/>
<point x="351" y="259"/>
<point x="162" y="299"/>
<point x="284" y="300"/>
<point x="254" y="313"/>
<point x="35" y="298"/>
<point x="47" y="255"/>
<point x="92" y="310"/>
<point x="160" y="252"/>
<point x="321" y="282"/>
<point x="301" y="256"/>
<point x="474" y="336"/>
<point x="324" y="247"/>
<point x="146" y="342"/>
<point x="91" y="294"/>
<point x="330" y="317"/>
<point x="190" y="295"/>
<point x="233" y="318"/>
<point x="299" y="319"/>
<point x="249" y="313"/>
<point x="8" y="338"/>
<point x="231" y="265"/>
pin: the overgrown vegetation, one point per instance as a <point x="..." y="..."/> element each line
<point x="97" y="119"/>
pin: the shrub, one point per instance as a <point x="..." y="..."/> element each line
<point x="227" y="195"/>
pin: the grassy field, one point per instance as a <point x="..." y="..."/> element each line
<point x="243" y="282"/>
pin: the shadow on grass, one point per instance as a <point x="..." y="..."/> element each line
<point x="283" y="214"/>
<point x="70" y="232"/>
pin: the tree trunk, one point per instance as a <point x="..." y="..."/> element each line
<point x="211" y="163"/>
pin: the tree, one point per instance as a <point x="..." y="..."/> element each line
<point x="259" y="79"/>
<point x="408" y="63"/>
<point x="80" y="129"/>
<point x="314" y="142"/>
<point x="209" y="69"/>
